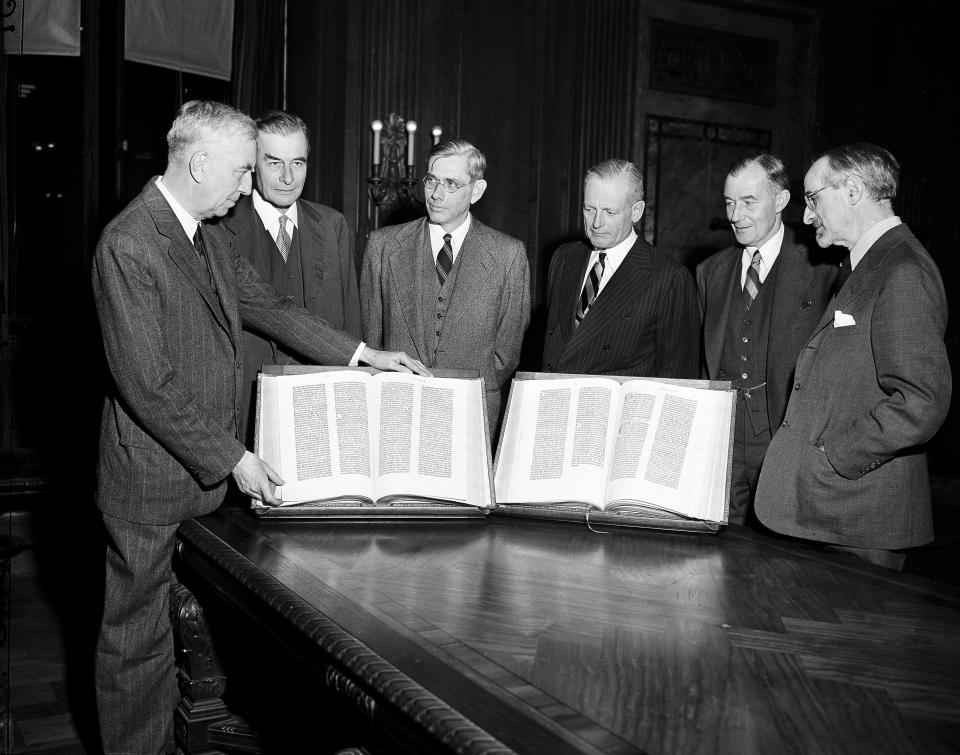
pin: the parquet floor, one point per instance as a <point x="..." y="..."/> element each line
<point x="52" y="631"/>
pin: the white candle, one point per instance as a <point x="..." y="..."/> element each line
<point x="411" y="130"/>
<point x="377" y="127"/>
<point x="437" y="131"/>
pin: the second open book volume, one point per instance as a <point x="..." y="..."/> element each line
<point x="653" y="451"/>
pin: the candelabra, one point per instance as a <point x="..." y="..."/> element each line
<point x="392" y="181"/>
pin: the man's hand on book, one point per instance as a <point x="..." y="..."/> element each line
<point x="256" y="478"/>
<point x="395" y="361"/>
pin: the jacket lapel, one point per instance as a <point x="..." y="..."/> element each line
<point x="719" y="288"/>
<point x="403" y="253"/>
<point x="474" y="259"/>
<point x="790" y="293"/>
<point x="310" y="231"/>
<point x="608" y="308"/>
<point x="181" y="250"/>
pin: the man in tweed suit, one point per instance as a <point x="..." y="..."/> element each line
<point x="753" y="334"/>
<point x="618" y="306"/>
<point x="316" y="266"/>
<point x="848" y="465"/>
<point x="171" y="295"/>
<point x="447" y="288"/>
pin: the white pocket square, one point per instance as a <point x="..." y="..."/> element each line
<point x="842" y="319"/>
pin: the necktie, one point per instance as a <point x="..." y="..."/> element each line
<point x="590" y="288"/>
<point x="843" y="273"/>
<point x="283" y="238"/>
<point x="444" y="259"/>
<point x="201" y="251"/>
<point x="198" y="243"/>
<point x="751" y="286"/>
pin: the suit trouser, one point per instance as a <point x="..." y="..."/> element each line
<point x="134" y="667"/>
<point x="749" y="448"/>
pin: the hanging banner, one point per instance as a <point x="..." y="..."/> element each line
<point x="186" y="35"/>
<point x="41" y="27"/>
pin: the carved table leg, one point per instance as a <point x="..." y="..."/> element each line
<point x="202" y="683"/>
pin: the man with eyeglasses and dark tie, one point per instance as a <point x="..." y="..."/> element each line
<point x="617" y="305"/>
<point x="454" y="292"/>
<point x="848" y="465"/>
<point x="761" y="300"/>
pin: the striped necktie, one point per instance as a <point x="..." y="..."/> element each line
<point x="590" y="288"/>
<point x="283" y="238"/>
<point x="751" y="286"/>
<point x="444" y="259"/>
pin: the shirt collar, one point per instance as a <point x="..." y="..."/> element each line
<point x="868" y="239"/>
<point x="615" y="254"/>
<point x="187" y="221"/>
<point x="270" y="215"/>
<point x="768" y="253"/>
<point x="456" y="237"/>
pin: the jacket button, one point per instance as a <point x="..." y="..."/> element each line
<point x="785" y="423"/>
<point x="796" y="386"/>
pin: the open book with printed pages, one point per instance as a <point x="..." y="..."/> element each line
<point x="357" y="443"/>
<point x="640" y="452"/>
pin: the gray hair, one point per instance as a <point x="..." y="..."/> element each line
<point x="878" y="169"/>
<point x="611" y="170"/>
<point x="771" y="164"/>
<point x="282" y="123"/>
<point x="199" y="120"/>
<point x="476" y="160"/>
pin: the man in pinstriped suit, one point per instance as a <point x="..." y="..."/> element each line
<point x="171" y="311"/>
<point x="618" y="306"/>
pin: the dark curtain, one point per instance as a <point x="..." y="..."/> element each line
<point x="258" y="34"/>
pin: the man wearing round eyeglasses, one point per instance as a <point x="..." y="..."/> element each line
<point x="848" y="465"/>
<point x="455" y="292"/>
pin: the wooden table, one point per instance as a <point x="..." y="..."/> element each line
<point x="537" y="637"/>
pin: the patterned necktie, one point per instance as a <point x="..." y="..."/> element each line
<point x="283" y="238"/>
<point x="590" y="288"/>
<point x="444" y="259"/>
<point x="751" y="286"/>
<point x="198" y="243"/>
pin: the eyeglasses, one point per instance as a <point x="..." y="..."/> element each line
<point x="810" y="196"/>
<point x="431" y="182"/>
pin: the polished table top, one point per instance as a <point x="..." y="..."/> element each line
<point x="553" y="638"/>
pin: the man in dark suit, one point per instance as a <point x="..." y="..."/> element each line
<point x="310" y="259"/>
<point x="848" y="465"/>
<point x="171" y="295"/>
<point x="761" y="300"/>
<point x="447" y="288"/>
<point x="617" y="305"/>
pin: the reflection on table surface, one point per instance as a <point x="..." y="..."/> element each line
<point x="635" y="639"/>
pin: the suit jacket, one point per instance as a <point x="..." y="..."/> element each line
<point x="802" y="287"/>
<point x="326" y="250"/>
<point x="168" y="437"/>
<point x="329" y="282"/>
<point x="489" y="307"/>
<point x="871" y="393"/>
<point x="645" y="322"/>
